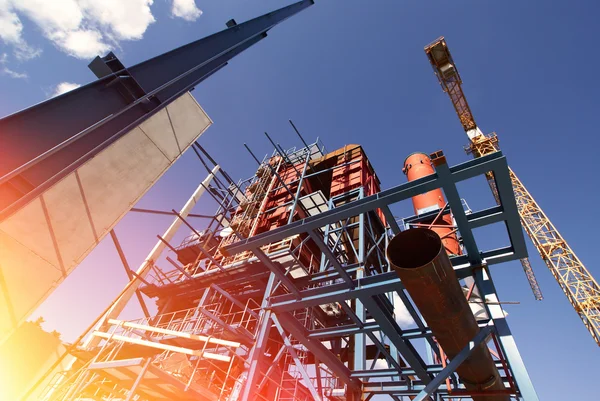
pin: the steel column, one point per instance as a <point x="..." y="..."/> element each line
<point x="513" y="357"/>
<point x="257" y="352"/>
<point x="54" y="129"/>
<point x="360" y="341"/>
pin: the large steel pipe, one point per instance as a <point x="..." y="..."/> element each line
<point x="420" y="260"/>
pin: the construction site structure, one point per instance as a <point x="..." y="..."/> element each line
<point x="575" y="280"/>
<point x="286" y="293"/>
<point x="302" y="285"/>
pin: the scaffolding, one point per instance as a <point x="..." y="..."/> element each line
<point x="285" y="293"/>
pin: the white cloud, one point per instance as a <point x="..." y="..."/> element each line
<point x="186" y="9"/>
<point x="11" y="30"/>
<point x="64" y="87"/>
<point x="14" y="74"/>
<point x="82" y="28"/>
<point x="123" y="20"/>
<point x="403" y="317"/>
<point x="84" y="44"/>
<point x="10" y="24"/>
<point x="63" y="23"/>
<point x="7" y="71"/>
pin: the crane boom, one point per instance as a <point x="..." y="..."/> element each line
<point x="575" y="280"/>
<point x="449" y="78"/>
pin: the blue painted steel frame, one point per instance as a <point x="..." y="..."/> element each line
<point x="445" y="178"/>
<point x="368" y="289"/>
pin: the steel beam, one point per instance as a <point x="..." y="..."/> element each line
<point x="41" y="144"/>
<point x="342" y="331"/>
<point x="138" y="294"/>
<point x="393" y="332"/>
<point x="507" y="341"/>
<point x="276" y="270"/>
<point x="509" y="203"/>
<point x="293" y="326"/>
<point x="431" y="369"/>
<point x="401" y="389"/>
<point x="494" y="162"/>
<point x="233" y="300"/>
<point x="368" y="286"/>
<point x="331" y="258"/>
<point x="290" y="348"/>
<point x="390" y="219"/>
<point x="458" y="213"/>
<point x="258" y="350"/>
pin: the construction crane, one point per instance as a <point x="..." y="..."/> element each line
<point x="575" y="280"/>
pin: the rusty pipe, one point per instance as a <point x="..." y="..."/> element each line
<point x="420" y="260"/>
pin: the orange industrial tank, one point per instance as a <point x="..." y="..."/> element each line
<point x="418" y="165"/>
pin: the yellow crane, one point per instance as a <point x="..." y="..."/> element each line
<point x="575" y="280"/>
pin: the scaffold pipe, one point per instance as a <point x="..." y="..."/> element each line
<point x="153" y="256"/>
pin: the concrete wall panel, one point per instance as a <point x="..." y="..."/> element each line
<point x="85" y="205"/>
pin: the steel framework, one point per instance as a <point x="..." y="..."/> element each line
<point x="304" y="306"/>
<point x="115" y="128"/>
<point x="575" y="280"/>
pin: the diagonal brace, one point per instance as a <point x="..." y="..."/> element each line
<point x="292" y="352"/>
<point x="332" y="259"/>
<point x="479" y="338"/>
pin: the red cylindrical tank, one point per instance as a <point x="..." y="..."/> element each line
<point x="418" y="165"/>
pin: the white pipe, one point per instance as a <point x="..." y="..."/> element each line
<point x="152" y="257"/>
<point x="142" y="271"/>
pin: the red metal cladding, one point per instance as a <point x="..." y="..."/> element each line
<point x="278" y="216"/>
<point x="355" y="172"/>
<point x="418" y="165"/>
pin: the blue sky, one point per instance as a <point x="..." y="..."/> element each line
<point x="355" y="72"/>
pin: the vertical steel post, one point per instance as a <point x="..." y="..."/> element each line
<point x="507" y="341"/>
<point x="298" y="191"/>
<point x="360" y="344"/>
<point x="282" y="154"/>
<point x="257" y="351"/>
<point x="323" y="265"/>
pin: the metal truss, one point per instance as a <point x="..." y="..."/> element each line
<point x="578" y="284"/>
